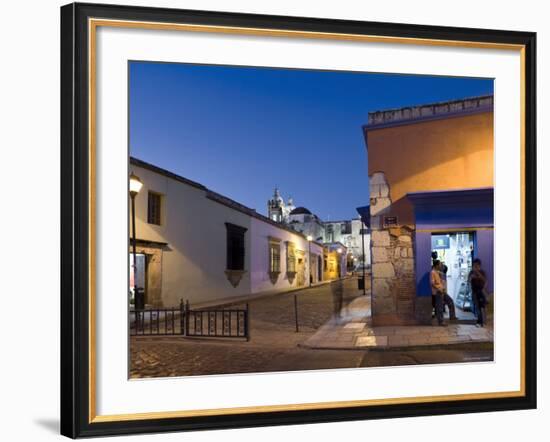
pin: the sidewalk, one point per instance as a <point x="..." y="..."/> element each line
<point x="353" y="332"/>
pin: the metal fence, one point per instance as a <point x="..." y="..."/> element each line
<point x="186" y="322"/>
<point x="159" y="321"/>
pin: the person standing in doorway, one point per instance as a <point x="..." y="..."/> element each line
<point x="478" y="280"/>
<point x="437" y="290"/>
<point x="447" y="300"/>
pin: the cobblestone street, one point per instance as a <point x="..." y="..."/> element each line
<point x="273" y="345"/>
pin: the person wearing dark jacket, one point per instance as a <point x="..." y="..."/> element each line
<point x="478" y="280"/>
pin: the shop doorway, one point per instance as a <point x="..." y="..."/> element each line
<point x="139" y="280"/>
<point x="456" y="251"/>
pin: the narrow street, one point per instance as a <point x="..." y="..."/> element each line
<point x="273" y="344"/>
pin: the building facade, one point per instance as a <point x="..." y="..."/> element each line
<point x="302" y="220"/>
<point x="335" y="260"/>
<point x="195" y="244"/>
<point x="347" y="232"/>
<point x="350" y="233"/>
<point x="431" y="196"/>
<point x="277" y="209"/>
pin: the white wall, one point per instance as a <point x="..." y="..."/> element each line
<point x="260" y="230"/>
<point x="311" y="227"/>
<point x="351" y="240"/>
<point x="194" y="262"/>
<point x="354" y="241"/>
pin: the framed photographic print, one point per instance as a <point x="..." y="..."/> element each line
<point x="274" y="220"/>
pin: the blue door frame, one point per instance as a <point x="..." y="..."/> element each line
<point x="469" y="210"/>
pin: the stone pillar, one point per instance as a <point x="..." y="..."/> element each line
<point x="383" y="276"/>
<point x="392" y="257"/>
<point x="393" y="276"/>
<point x="402" y="243"/>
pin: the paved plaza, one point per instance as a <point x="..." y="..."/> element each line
<point x="353" y="331"/>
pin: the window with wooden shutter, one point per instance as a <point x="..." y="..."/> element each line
<point x="235" y="246"/>
<point x="154" y="208"/>
<point x="274" y="254"/>
<point x="291" y="257"/>
<point x="274" y="258"/>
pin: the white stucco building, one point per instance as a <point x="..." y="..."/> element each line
<point x="347" y="232"/>
<point x="195" y="244"/>
<point x="302" y="220"/>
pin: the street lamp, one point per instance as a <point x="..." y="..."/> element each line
<point x="135" y="186"/>
<point x="309" y="239"/>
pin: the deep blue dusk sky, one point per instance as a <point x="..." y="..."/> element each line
<point x="243" y="131"/>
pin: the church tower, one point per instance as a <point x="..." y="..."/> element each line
<point x="275" y="207"/>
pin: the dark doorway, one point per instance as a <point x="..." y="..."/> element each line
<point x="140" y="279"/>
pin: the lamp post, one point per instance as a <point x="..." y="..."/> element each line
<point x="309" y="239"/>
<point x="135" y="187"/>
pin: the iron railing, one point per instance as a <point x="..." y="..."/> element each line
<point x="184" y="321"/>
<point x="157" y="321"/>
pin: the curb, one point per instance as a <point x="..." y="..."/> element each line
<point x="472" y="345"/>
<point x="260" y="295"/>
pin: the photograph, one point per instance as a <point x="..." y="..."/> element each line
<point x="304" y="219"/>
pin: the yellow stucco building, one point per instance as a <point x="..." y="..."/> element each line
<point x="332" y="265"/>
<point x="431" y="174"/>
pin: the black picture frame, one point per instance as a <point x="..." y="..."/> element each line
<point x="75" y="220"/>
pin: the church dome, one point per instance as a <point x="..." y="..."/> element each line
<point x="300" y="211"/>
